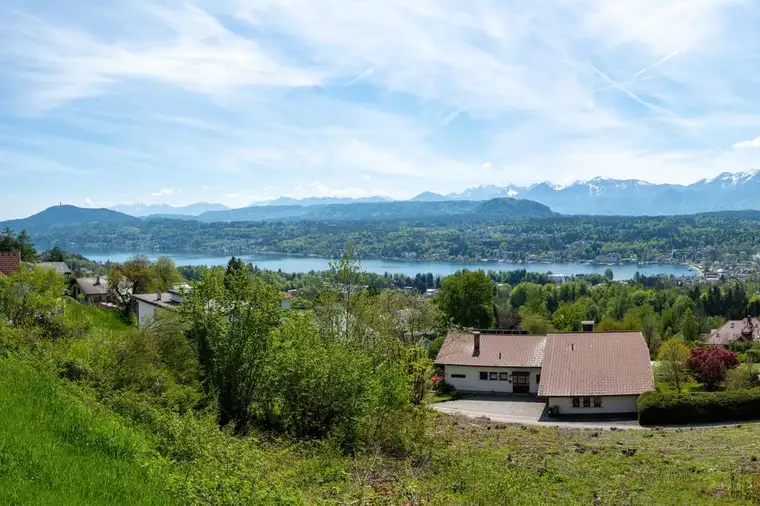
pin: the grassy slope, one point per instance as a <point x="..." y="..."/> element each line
<point x="105" y="319"/>
<point x="54" y="449"/>
<point x="58" y="449"/>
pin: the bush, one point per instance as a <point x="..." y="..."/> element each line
<point x="657" y="408"/>
<point x="444" y="388"/>
<point x="710" y="364"/>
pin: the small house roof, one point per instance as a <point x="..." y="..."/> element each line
<point x="93" y="286"/>
<point x="596" y="363"/>
<point x="162" y="300"/>
<point x="735" y="330"/>
<point x="496" y="350"/>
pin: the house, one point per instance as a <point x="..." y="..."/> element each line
<point x="558" y="278"/>
<point x="10" y="262"/>
<point x="60" y="267"/>
<point x="93" y="290"/>
<point x="578" y="373"/>
<point x="732" y="331"/>
<point x="492" y="362"/>
<point x="148" y="305"/>
<point x="595" y="372"/>
<point x="286" y="301"/>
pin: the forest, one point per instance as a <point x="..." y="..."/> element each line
<point x="701" y="238"/>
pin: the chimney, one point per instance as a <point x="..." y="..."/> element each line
<point x="587" y="325"/>
<point x="97" y="281"/>
<point x="158" y="296"/>
<point x="572" y="346"/>
<point x="476" y="340"/>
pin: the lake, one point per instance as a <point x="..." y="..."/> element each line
<point x="290" y="263"/>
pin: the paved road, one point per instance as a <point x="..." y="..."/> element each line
<point x="521" y="410"/>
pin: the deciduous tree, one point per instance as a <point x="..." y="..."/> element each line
<point x="710" y="364"/>
<point x="672" y="367"/>
<point x="466" y="298"/>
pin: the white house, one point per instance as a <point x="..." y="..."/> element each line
<point x="149" y="304"/>
<point x="595" y="372"/>
<point x="578" y="373"/>
<point x="489" y="362"/>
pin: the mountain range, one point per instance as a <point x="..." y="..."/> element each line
<point x="631" y="197"/>
<point x="140" y="210"/>
<point x="66" y="217"/>
<point x="599" y="196"/>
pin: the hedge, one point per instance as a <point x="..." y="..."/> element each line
<point x="657" y="408"/>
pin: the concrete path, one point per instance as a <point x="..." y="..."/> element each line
<point x="521" y="410"/>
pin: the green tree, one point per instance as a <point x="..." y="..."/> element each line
<point x="231" y="327"/>
<point x="466" y="298"/>
<point x="20" y="243"/>
<point x="31" y="295"/>
<point x="609" y="274"/>
<point x="649" y="329"/>
<point x="535" y="324"/>
<point x="165" y="274"/>
<point x="689" y="326"/>
<point x="672" y="367"/>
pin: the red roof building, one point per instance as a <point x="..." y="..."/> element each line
<point x="10" y="262"/>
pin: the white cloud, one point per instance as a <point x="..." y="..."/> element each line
<point x="754" y="143"/>
<point x="163" y="192"/>
<point x="394" y="95"/>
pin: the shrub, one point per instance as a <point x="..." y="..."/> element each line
<point x="657" y="408"/>
<point x="445" y="388"/>
<point x="710" y="364"/>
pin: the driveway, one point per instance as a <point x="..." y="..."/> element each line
<point x="521" y="410"/>
<point x="514" y="409"/>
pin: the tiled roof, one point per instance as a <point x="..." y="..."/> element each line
<point x="595" y="363"/>
<point x="10" y="262"/>
<point x="735" y="330"/>
<point x="496" y="350"/>
<point x="93" y="286"/>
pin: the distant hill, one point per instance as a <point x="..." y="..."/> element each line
<point x="428" y="197"/>
<point x="402" y="210"/>
<point x="66" y="215"/>
<point x="141" y="210"/>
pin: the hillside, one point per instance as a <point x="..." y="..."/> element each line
<point x="394" y="210"/>
<point x="57" y="449"/>
<point x="66" y="215"/>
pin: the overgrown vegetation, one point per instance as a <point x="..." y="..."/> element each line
<point x="239" y="402"/>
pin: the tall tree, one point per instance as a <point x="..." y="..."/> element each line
<point x="672" y="367"/>
<point x="466" y="298"/>
<point x="165" y="274"/>
<point x="689" y="326"/>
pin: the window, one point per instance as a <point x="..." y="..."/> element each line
<point x="538" y="379"/>
<point x="576" y="402"/>
<point x="458" y="376"/>
<point x="587" y="402"/>
<point x="483" y="375"/>
<point x="494" y="375"/>
<point x="597" y="402"/>
<point x="503" y="376"/>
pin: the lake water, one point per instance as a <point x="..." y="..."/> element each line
<point x="288" y="263"/>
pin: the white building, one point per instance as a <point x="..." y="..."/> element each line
<point x="577" y="373"/>
<point x="148" y="305"/>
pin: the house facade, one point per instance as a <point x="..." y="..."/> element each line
<point x="577" y="373"/>
<point x="94" y="291"/>
<point x="493" y="363"/>
<point x="149" y="305"/>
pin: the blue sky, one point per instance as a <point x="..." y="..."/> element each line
<point x="237" y="101"/>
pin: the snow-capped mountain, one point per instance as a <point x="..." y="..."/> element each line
<point x="725" y="192"/>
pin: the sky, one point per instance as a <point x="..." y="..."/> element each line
<point x="240" y="101"/>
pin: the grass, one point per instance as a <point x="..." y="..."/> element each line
<point x="107" y="319"/>
<point x="55" y="449"/>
